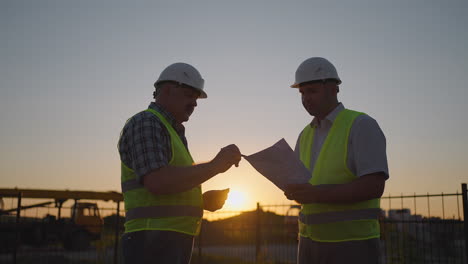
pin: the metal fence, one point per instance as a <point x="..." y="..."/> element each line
<point x="428" y="228"/>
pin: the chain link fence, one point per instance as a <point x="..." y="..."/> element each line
<point x="429" y="228"/>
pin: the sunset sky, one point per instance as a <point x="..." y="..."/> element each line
<point x="72" y="73"/>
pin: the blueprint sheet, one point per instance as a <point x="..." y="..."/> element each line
<point x="280" y="165"/>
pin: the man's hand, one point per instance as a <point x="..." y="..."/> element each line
<point x="226" y="157"/>
<point x="214" y="200"/>
<point x="302" y="193"/>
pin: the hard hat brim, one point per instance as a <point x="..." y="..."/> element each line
<point x="203" y="95"/>
<point x="295" y="85"/>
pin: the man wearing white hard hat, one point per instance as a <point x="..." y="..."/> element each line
<point x="345" y="152"/>
<point x="161" y="184"/>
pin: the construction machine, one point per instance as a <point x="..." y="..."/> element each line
<point x="74" y="233"/>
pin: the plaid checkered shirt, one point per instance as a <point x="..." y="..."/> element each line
<point x="145" y="143"/>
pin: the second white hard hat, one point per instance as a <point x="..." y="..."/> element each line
<point x="315" y="69"/>
<point x="185" y="74"/>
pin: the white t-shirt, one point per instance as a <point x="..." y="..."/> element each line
<point x="366" y="144"/>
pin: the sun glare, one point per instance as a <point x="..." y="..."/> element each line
<point x="236" y="199"/>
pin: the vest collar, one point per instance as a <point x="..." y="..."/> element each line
<point x="330" y="118"/>
<point x="179" y="128"/>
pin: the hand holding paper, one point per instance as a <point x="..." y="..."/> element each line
<point x="302" y="193"/>
<point x="226" y="157"/>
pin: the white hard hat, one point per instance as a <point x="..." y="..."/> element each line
<point x="315" y="69"/>
<point x="185" y="74"/>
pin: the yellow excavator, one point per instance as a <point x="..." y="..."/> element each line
<point x="75" y="233"/>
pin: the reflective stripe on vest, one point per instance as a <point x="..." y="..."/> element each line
<point x="330" y="217"/>
<point x="335" y="222"/>
<point x="179" y="212"/>
<point x="163" y="211"/>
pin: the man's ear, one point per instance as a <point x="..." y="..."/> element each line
<point x="334" y="88"/>
<point x="165" y="90"/>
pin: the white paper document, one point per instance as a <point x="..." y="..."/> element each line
<point x="280" y="165"/>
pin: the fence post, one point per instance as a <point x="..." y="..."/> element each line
<point x="258" y="234"/>
<point x="59" y="204"/>
<point x="17" y="231"/>
<point x="465" y="218"/>
<point x="117" y="227"/>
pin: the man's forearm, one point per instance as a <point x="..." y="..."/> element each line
<point x="365" y="188"/>
<point x="171" y="179"/>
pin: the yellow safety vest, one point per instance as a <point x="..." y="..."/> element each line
<point x="179" y="212"/>
<point x="332" y="222"/>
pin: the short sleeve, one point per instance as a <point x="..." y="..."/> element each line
<point x="148" y="144"/>
<point x="367" y="147"/>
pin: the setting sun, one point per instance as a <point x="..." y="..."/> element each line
<point x="236" y="199"/>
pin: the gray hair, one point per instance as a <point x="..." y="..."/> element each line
<point x="159" y="86"/>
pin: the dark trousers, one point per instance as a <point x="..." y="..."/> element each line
<point x="154" y="246"/>
<point x="360" y="251"/>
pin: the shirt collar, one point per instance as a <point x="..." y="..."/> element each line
<point x="330" y="118"/>
<point x="179" y="128"/>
